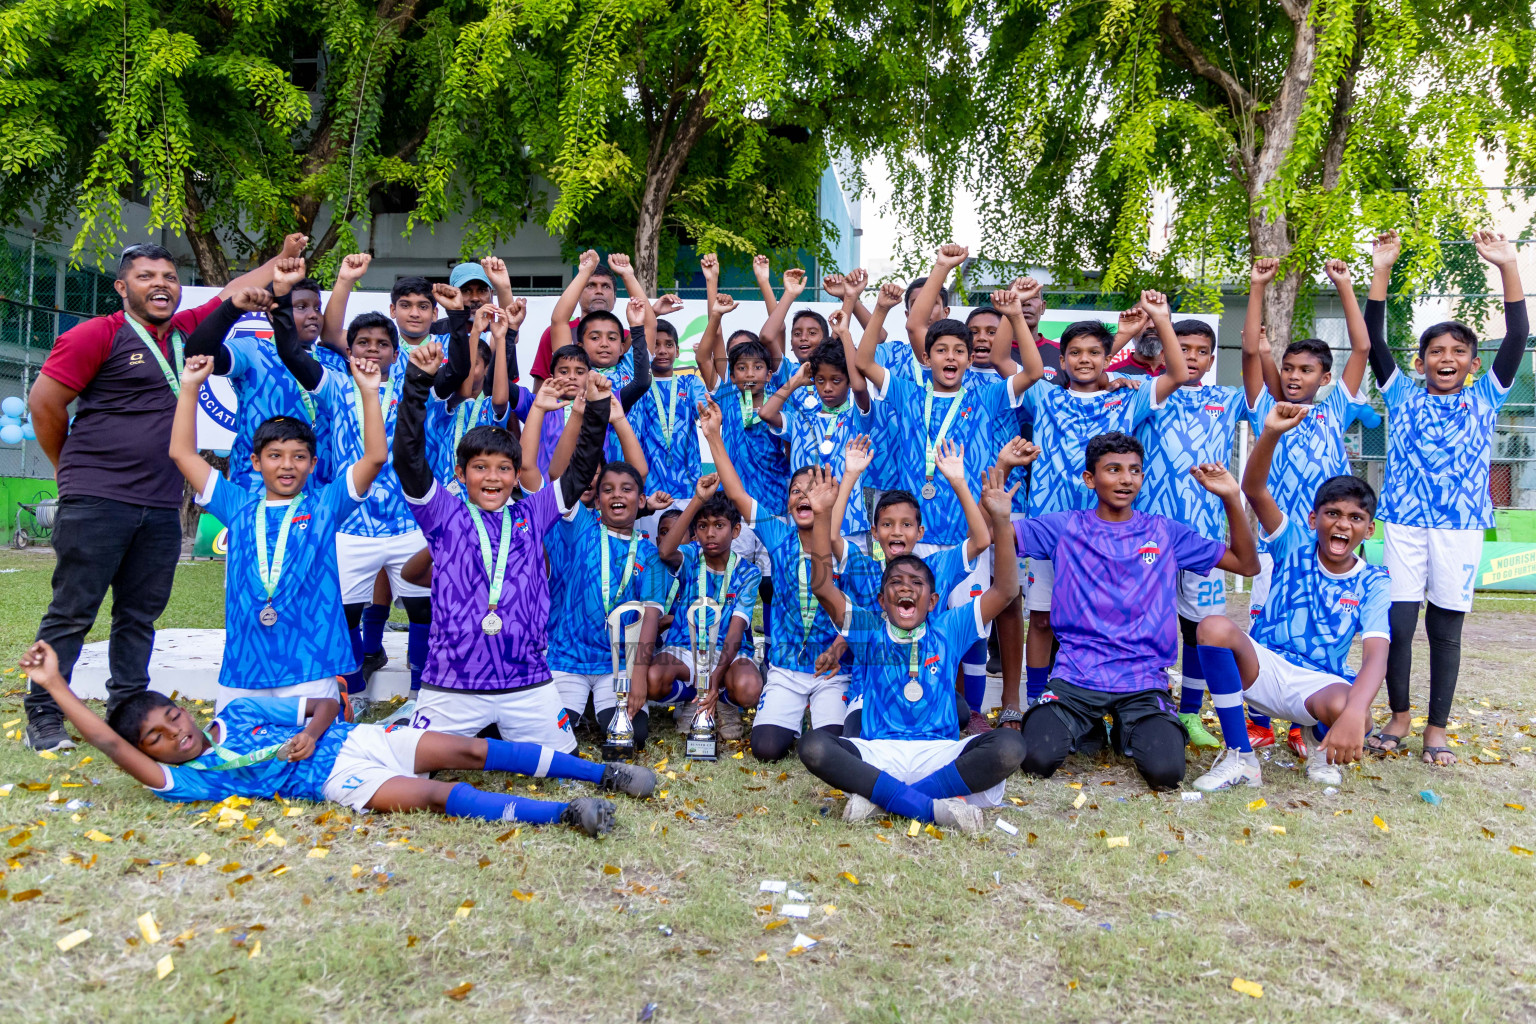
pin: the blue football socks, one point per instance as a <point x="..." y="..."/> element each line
<point x="1036" y="681"/>
<point x="974" y="664"/>
<point x="1192" y="686"/>
<point x="1226" y="685"/>
<point x="416" y="651"/>
<point x="465" y="801"/>
<point x="374" y="617"/>
<point x="942" y="784"/>
<point x="899" y="798"/>
<point x="538" y="761"/>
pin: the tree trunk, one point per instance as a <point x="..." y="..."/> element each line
<point x="663" y="164"/>
<point x="1273" y="239"/>
<point x="212" y="264"/>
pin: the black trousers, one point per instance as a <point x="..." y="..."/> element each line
<point x="101" y="543"/>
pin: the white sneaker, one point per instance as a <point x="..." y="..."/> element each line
<point x="1320" y="771"/>
<point x="956" y="813"/>
<point x="858" y="809"/>
<point x="1232" y="768"/>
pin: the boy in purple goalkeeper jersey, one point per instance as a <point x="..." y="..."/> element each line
<point x="1435" y="501"/>
<point x="1117" y="582"/>
<point x="1294" y="662"/>
<point x="292" y="747"/>
<point x="488" y="585"/>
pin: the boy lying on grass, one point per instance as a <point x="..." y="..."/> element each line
<point x="259" y="747"/>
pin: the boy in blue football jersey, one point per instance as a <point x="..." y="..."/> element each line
<point x="292" y="747"/>
<point x="1305" y="456"/>
<point x="805" y="658"/>
<point x="1116" y="586"/>
<point x="906" y="759"/>
<point x="708" y="568"/>
<point x="1293" y="664"/>
<point x="664" y="419"/>
<point x="602" y="338"/>
<point x="285" y="633"/>
<point x="1435" y="500"/>
<point x="616" y="354"/>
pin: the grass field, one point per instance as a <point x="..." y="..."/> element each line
<point x="1367" y="905"/>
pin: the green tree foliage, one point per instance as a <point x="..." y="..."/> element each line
<point x="1285" y="128"/>
<point x="639" y="124"/>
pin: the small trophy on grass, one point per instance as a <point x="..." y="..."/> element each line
<point x="619" y="739"/>
<point x="702" y="744"/>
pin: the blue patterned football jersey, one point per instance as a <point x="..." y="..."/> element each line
<point x="901" y="404"/>
<point x="330" y="359"/>
<point x="249" y="724"/>
<point x="1193" y="426"/>
<point x="1064" y="422"/>
<point x="890" y="710"/>
<point x="1438" y="451"/>
<point x="740" y="595"/>
<point x="1312" y="616"/>
<point x="385" y="512"/>
<point x="759" y="455"/>
<point x="446" y="424"/>
<point x="264" y="388"/>
<point x="860" y="574"/>
<point x="674" y="462"/>
<point x="1308" y="453"/>
<point x="309" y="640"/>
<point x="818" y="439"/>
<point x="578" y="623"/>
<point x="795" y="646"/>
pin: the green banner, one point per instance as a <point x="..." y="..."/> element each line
<point x="212" y="538"/>
<point x="1505" y="565"/>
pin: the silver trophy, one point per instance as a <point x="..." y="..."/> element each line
<point x="619" y="741"/>
<point x="702" y="745"/>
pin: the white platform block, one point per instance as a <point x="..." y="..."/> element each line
<point x="187" y="661"/>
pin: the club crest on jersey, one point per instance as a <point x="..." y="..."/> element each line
<point x="1149" y="551"/>
<point x="564" y="721"/>
<point x="1349" y="602"/>
<point x="1215" y="407"/>
<point x="932" y="664"/>
<point x="520" y="524"/>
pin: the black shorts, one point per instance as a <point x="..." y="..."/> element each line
<point x="1082" y="710"/>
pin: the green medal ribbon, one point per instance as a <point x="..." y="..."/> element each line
<point x="386" y="401"/>
<point x="495" y="572"/>
<point x="172" y="376"/>
<point x="669" y="413"/>
<point x="910" y="637"/>
<point x="607" y="567"/>
<point x="725" y="581"/>
<point x="460" y="423"/>
<point x="808" y="601"/>
<point x="930" y="457"/>
<point x="875" y="550"/>
<point x="271" y="574"/>
<point x="231" y="760"/>
<point x="749" y="414"/>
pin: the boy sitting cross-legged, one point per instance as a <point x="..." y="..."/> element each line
<point x="293" y="747"/>
<point x="907" y="759"/>
<point x="1293" y="664"/>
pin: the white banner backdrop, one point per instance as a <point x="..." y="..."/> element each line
<point x="216" y="401"/>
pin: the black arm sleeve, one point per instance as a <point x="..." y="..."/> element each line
<point x="410" y="455"/>
<point x="306" y="369"/>
<point x="636" y="389"/>
<point x="208" y="339"/>
<point x="458" y="354"/>
<point x="512" y="373"/>
<point x="1517" y="327"/>
<point x="1382" y="363"/>
<point x="589" y="449"/>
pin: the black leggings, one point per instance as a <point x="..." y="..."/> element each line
<point x="1157" y="747"/>
<point x="417" y="610"/>
<point x="1444" y="629"/>
<point x="986" y="760"/>
<point x="773" y="742"/>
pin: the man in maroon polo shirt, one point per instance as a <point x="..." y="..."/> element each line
<point x="119" y="519"/>
<point x="598" y="294"/>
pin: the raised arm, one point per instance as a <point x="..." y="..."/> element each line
<point x="1282" y="417"/>
<point x="41" y="665"/>
<point x="1010" y="304"/>
<point x="888" y="298"/>
<point x="184" y="426"/>
<point x="1176" y="370"/>
<point x="762" y="274"/>
<point x="949" y="257"/>
<point x="1384" y="253"/>
<point x="1242" y="555"/>
<point x="1259" y="276"/>
<point x="823" y="493"/>
<point x="589" y="446"/>
<point x="853" y="284"/>
<point x="771" y="411"/>
<point x="772" y="333"/>
<point x="997" y="498"/>
<point x="367" y="376"/>
<point x="546" y="401"/>
<point x="629" y="442"/>
<point x="709" y="422"/>
<point x="293" y="245"/>
<point x="410" y="448"/>
<point x="503" y="343"/>
<point x="668" y="545"/>
<point x="565" y="447"/>
<point x="501" y="282"/>
<point x="1499" y="251"/>
<point x="208" y="338"/>
<point x="1128" y="327"/>
<point x="333" y="329"/>
<point x="1354" y="322"/>
<point x="620" y="264"/>
<point x="640" y="319"/>
<point x="949" y="460"/>
<point x="565" y="306"/>
<point x="306" y="369"/>
<point x="704" y="355"/>
<point x="858" y="453"/>
<point x="837" y="323"/>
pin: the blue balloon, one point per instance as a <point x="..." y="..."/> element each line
<point x="28" y="432"/>
<point x="13" y="407"/>
<point x="11" y="434"/>
<point x="10" y="421"/>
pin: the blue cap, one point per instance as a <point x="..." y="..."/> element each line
<point x="464" y="273"/>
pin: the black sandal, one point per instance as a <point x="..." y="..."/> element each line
<point x="1432" y="756"/>
<point x="1385" y="737"/>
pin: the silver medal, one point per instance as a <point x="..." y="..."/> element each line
<point x="491" y="624"/>
<point x="929" y="491"/>
<point x="913" y="691"/>
<point x="827" y="447"/>
<point x="268" y="616"/>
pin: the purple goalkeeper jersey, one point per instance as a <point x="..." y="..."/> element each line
<point x="461" y="656"/>
<point x="1114" y="604"/>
